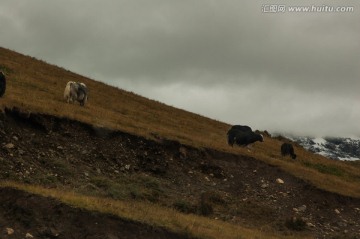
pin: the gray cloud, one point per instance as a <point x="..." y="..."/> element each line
<point x="226" y="60"/>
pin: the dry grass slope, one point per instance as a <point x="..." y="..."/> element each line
<point x="151" y="214"/>
<point x="36" y="86"/>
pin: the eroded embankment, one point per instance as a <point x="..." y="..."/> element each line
<point x="56" y="152"/>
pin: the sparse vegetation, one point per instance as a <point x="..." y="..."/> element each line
<point x="195" y="226"/>
<point x="295" y="224"/>
<point x="326" y="169"/>
<point x="36" y="87"/>
<point x="183" y="206"/>
<point x="135" y="114"/>
<point x="208" y="201"/>
<point x="205" y="205"/>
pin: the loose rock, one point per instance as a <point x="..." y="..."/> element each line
<point x="279" y="181"/>
<point x="302" y="208"/>
<point x="9" y="146"/>
<point x="28" y="235"/>
<point x="9" y="231"/>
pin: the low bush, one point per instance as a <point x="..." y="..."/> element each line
<point x="295" y="224"/>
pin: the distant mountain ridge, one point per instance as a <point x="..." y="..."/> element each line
<point x="332" y="147"/>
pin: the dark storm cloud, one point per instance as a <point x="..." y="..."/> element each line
<point x="283" y="67"/>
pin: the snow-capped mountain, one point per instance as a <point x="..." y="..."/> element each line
<point x="335" y="148"/>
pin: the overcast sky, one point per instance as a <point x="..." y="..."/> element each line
<point x="230" y="60"/>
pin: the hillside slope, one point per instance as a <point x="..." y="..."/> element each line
<point x="53" y="152"/>
<point x="135" y="149"/>
<point x="37" y="86"/>
<point x="42" y="217"/>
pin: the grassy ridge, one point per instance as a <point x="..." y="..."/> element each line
<point x="36" y="86"/>
<point x="151" y="214"/>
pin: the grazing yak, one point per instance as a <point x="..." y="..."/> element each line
<point x="67" y="92"/>
<point x="233" y="131"/>
<point x="246" y="138"/>
<point x="2" y="83"/>
<point x="243" y="128"/>
<point x="288" y="149"/>
<point x="75" y="91"/>
<point x="242" y="136"/>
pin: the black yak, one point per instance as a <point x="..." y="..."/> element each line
<point x="242" y="135"/>
<point x="288" y="149"/>
<point x="246" y="138"/>
<point x="2" y="84"/>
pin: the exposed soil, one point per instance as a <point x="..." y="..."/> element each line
<point x="53" y="152"/>
<point x="44" y="217"/>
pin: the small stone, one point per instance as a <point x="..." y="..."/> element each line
<point x="15" y="138"/>
<point x="53" y="232"/>
<point x="28" y="235"/>
<point x="59" y="147"/>
<point x="337" y="211"/>
<point x="127" y="166"/>
<point x="86" y="174"/>
<point x="264" y="185"/>
<point x="183" y="152"/>
<point x="9" y="231"/>
<point x="9" y="146"/>
<point x="279" y="181"/>
<point x="207" y="179"/>
<point x="309" y="224"/>
<point x="302" y="208"/>
<point x="255" y="171"/>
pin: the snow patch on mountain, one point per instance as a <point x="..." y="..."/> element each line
<point x="331" y="147"/>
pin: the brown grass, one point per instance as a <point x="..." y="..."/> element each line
<point x="151" y="214"/>
<point x="36" y="86"/>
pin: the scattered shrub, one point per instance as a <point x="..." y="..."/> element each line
<point x="326" y="169"/>
<point x="205" y="208"/>
<point x="208" y="200"/>
<point x="295" y="224"/>
<point x="183" y="206"/>
<point x="213" y="197"/>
